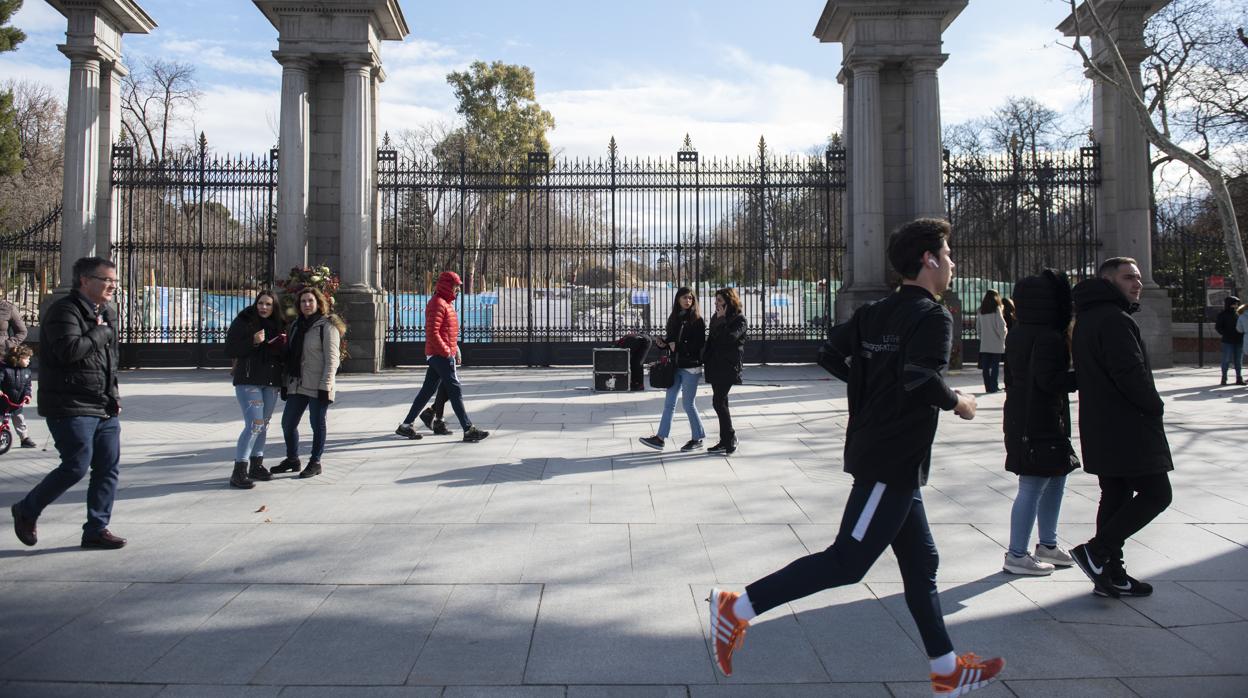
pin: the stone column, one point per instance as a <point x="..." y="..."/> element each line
<point x="80" y="186"/>
<point x="1123" y="222"/>
<point x="107" y="223"/>
<point x="292" y="165"/>
<point x="356" y="212"/>
<point x="929" y="199"/>
<point x="869" y="239"/>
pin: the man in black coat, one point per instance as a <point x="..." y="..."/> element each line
<point x="79" y="398"/>
<point x="1120" y="427"/>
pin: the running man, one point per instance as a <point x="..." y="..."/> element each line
<point x="893" y="354"/>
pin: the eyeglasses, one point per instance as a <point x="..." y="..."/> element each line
<point x="108" y="280"/>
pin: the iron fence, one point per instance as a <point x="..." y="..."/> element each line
<point x="577" y="251"/>
<point x="1187" y="252"/>
<point x="30" y="264"/>
<point x="197" y="234"/>
<point x="1016" y="214"/>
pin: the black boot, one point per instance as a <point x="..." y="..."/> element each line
<point x="239" y="479"/>
<point x="439" y="428"/>
<point x="288" y="465"/>
<point x="313" y="469"/>
<point x="257" y="471"/>
<point x="426" y="416"/>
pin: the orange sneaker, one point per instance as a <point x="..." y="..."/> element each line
<point x="970" y="674"/>
<point x="727" y="631"/>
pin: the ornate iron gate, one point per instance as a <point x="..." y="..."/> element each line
<point x="560" y="256"/>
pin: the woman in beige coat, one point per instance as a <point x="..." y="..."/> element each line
<point x="991" y="326"/>
<point x="312" y="357"/>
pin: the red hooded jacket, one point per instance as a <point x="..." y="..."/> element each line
<point x="441" y="323"/>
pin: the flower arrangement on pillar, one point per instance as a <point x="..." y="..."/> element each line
<point x="322" y="279"/>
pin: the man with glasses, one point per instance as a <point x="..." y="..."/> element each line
<point x="78" y="397"/>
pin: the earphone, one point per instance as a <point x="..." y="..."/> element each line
<point x="932" y="263"/>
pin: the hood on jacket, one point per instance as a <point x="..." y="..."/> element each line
<point x="447" y="281"/>
<point x="1043" y="300"/>
<point x="1095" y="291"/>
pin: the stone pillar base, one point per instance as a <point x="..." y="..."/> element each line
<point x="1156" y="329"/>
<point x="850" y="298"/>
<point x="365" y="312"/>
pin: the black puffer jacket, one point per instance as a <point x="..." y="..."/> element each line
<point x="255" y="365"/>
<point x="686" y="335"/>
<point x="725" y="349"/>
<point x="78" y="361"/>
<point x="1120" y="412"/>
<point x="1039" y="377"/>
<point x="15" y="383"/>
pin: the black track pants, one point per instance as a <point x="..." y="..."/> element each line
<point x="876" y="516"/>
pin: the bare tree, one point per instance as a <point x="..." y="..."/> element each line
<point x="1114" y="72"/>
<point x="39" y="122"/>
<point x="154" y="100"/>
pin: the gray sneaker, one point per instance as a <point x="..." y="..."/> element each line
<point x="1026" y="564"/>
<point x="1056" y="556"/>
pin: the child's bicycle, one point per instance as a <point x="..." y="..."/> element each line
<point x="6" y="434"/>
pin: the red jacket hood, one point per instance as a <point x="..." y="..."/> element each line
<point x="447" y="281"/>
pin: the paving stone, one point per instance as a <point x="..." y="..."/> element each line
<point x="210" y="691"/>
<point x="866" y="690"/>
<point x="27" y="689"/>
<point x="743" y="553"/>
<point x="481" y="637"/>
<point x="361" y="692"/>
<point x="619" y="635"/>
<point x="366" y="635"/>
<point x="1204" y="686"/>
<point x="1225" y="642"/>
<point x="504" y="692"/>
<point x="627" y="692"/>
<point x="579" y="554"/>
<point x="1093" y="688"/>
<point x="544" y="503"/>
<point x="475" y="553"/>
<point x="777" y="651"/>
<point x="280" y="553"/>
<point x="664" y="553"/>
<point x="30" y="612"/>
<point x="621" y="504"/>
<point x="855" y="636"/>
<point x="1233" y="596"/>
<point x="385" y="554"/>
<point x="232" y="645"/>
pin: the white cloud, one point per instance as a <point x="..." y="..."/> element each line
<point x="237" y="120"/>
<point x="13" y="67"/>
<point x="219" y="55"/>
<point x="38" y="17"/>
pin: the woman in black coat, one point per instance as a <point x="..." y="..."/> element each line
<point x="684" y="337"/>
<point x="254" y="342"/>
<point x="1037" y="419"/>
<point x="722" y="358"/>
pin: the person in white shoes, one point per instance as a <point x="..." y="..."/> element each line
<point x="1038" y="381"/>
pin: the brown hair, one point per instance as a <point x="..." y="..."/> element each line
<point x="322" y="305"/>
<point x="1110" y="266"/>
<point x="731" y="299"/>
<point x="693" y="309"/>
<point x="991" y="302"/>
<point x="17" y="353"/>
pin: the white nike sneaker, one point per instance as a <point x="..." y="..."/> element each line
<point x="1056" y="556"/>
<point x="1026" y="564"/>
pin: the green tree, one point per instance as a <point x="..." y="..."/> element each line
<point x="10" y="144"/>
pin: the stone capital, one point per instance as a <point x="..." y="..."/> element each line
<point x="926" y="64"/>
<point x="294" y="61"/>
<point x="364" y="65"/>
<point x="863" y="65"/>
<point x="83" y="56"/>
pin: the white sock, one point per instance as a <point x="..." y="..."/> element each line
<point x="944" y="665"/>
<point x="742" y="609"/>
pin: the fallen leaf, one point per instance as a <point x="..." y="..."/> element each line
<point x="263" y="507"/>
<point x="268" y="520"/>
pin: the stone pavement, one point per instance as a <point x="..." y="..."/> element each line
<point x="561" y="558"/>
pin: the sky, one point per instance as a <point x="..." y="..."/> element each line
<point x="646" y="72"/>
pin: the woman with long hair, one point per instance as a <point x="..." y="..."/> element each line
<point x="1037" y="419"/>
<point x="990" y="324"/>
<point x="254" y="343"/>
<point x="722" y="360"/>
<point x="684" y="337"/>
<point x="312" y="357"/>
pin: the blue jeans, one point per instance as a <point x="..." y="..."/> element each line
<point x="83" y="442"/>
<point x="991" y="364"/>
<point x="686" y="384"/>
<point x="1039" y="500"/>
<point x="1232" y="354"/>
<point x="257" y="402"/>
<point x="441" y="372"/>
<point x="295" y="406"/>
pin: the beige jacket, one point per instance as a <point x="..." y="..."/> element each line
<point x="11" y="322"/>
<point x="991" y="327"/>
<point x="320" y="361"/>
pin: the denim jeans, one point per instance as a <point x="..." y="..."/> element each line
<point x="686" y="383"/>
<point x="1039" y="500"/>
<point x="257" y="402"/>
<point x="441" y="372"/>
<point x="1232" y="354"/>
<point x="295" y="406"/>
<point x="992" y="370"/>
<point x="83" y="442"/>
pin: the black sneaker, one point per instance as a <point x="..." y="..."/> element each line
<point x="473" y="435"/>
<point x="29" y="443"/>
<point x="313" y="469"/>
<point x="426" y="416"/>
<point x="406" y="431"/>
<point x="439" y="428"/>
<point x="723" y="448"/>
<point x="692" y="445"/>
<point x="654" y="442"/>
<point x="1097" y="569"/>
<point x="288" y="465"/>
<point x="717" y="449"/>
<point x="1125" y="584"/>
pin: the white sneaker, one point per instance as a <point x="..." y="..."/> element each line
<point x="1026" y="565"/>
<point x="1056" y="556"/>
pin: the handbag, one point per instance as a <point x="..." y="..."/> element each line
<point x="663" y="372"/>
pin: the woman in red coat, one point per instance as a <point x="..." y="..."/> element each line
<point x="442" y="355"/>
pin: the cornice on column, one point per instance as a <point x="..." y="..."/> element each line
<point x="838" y="16"/>
<point x="125" y="15"/>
